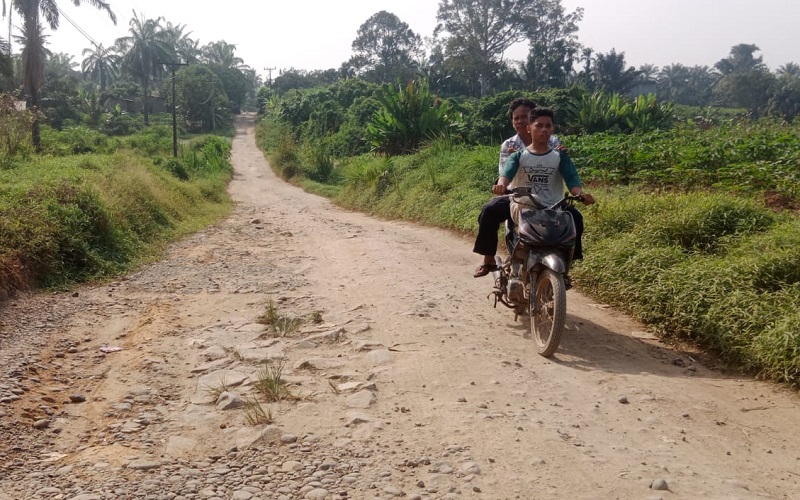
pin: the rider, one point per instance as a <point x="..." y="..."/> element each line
<point x="540" y="167"/>
<point x="497" y="209"/>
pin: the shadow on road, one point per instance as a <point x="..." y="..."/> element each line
<point x="587" y="346"/>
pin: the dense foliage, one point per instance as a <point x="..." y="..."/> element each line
<point x="81" y="216"/>
<point x="751" y="156"/>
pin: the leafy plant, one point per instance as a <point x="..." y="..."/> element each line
<point x="408" y="116"/>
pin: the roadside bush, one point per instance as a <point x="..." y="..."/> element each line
<point x="15" y="137"/>
<point x="119" y="123"/>
<point x="718" y="271"/>
<point x="76" y="139"/>
<point x="155" y="139"/>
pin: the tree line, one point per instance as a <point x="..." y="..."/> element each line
<point x="465" y="57"/>
<point x="134" y="68"/>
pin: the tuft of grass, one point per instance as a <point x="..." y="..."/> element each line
<point x="270" y="384"/>
<point x="255" y="413"/>
<point x="217" y="390"/>
<point x="270" y="315"/>
<point x="280" y="325"/>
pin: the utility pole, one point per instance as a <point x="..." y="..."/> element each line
<point x="172" y="66"/>
<point x="270" y="75"/>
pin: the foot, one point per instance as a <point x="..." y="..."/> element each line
<point x="484" y="269"/>
<point x="567" y="282"/>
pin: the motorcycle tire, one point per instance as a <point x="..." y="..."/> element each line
<point x="548" y="306"/>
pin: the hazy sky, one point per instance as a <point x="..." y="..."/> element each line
<point x="314" y="34"/>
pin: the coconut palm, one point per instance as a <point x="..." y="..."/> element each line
<point x="101" y="65"/>
<point x="34" y="52"/>
<point x="147" y="49"/>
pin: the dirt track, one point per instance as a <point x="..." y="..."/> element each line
<point x="412" y="384"/>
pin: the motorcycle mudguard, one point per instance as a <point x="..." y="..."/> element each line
<point x="549" y="259"/>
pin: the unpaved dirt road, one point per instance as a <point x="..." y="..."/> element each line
<point x="411" y="385"/>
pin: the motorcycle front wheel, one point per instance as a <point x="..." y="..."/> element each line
<point x="548" y="305"/>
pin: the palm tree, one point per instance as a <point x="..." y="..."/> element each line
<point x="148" y="49"/>
<point x="101" y="65"/>
<point x="6" y="63"/>
<point x="790" y="69"/>
<point x="34" y="52"/>
<point x="222" y="54"/>
<point x="186" y="49"/>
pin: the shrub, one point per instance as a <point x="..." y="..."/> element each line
<point x="408" y="116"/>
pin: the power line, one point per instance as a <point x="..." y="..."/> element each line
<point x="80" y="30"/>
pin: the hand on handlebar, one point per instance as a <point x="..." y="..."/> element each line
<point x="499" y="189"/>
<point x="587" y="199"/>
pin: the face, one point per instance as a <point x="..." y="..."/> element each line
<point x="541" y="128"/>
<point x="520" y="119"/>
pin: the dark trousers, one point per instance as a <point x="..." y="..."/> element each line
<point x="497" y="211"/>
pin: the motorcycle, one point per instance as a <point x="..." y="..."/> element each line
<point x="532" y="280"/>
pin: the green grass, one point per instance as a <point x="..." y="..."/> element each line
<point x="81" y="217"/>
<point x="718" y="271"/>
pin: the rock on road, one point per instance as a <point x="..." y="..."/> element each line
<point x="407" y="384"/>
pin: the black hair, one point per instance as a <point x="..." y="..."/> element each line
<point x="537" y="112"/>
<point x="520" y="101"/>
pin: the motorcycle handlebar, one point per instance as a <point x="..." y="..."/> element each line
<point x="567" y="200"/>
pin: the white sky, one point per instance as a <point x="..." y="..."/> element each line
<point x="316" y="34"/>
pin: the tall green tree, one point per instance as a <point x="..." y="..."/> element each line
<point x="785" y="98"/>
<point x="610" y="73"/>
<point x="186" y="49"/>
<point x="478" y="32"/>
<point x="386" y="49"/>
<point x="741" y="59"/>
<point x="100" y="65"/>
<point x="746" y="82"/>
<point x="221" y="53"/>
<point x="33" y="52"/>
<point x="201" y="98"/>
<point x="147" y="48"/>
<point x="552" y="42"/>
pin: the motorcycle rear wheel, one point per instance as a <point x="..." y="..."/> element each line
<point x="548" y="306"/>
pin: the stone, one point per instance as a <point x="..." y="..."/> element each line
<point x="362" y="399"/>
<point x="214" y="365"/>
<point x="248" y="437"/>
<point x="143" y="465"/>
<point x="214" y="352"/>
<point x="291" y="466"/>
<point x="659" y="484"/>
<point x="179" y="446"/>
<point x="471" y="468"/>
<point x="42" y="423"/>
<point x="379" y="357"/>
<point x="221" y="378"/>
<point x="317" y="493"/>
<point x="229" y="401"/>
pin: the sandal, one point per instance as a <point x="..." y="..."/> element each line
<point x="484" y="269"/>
